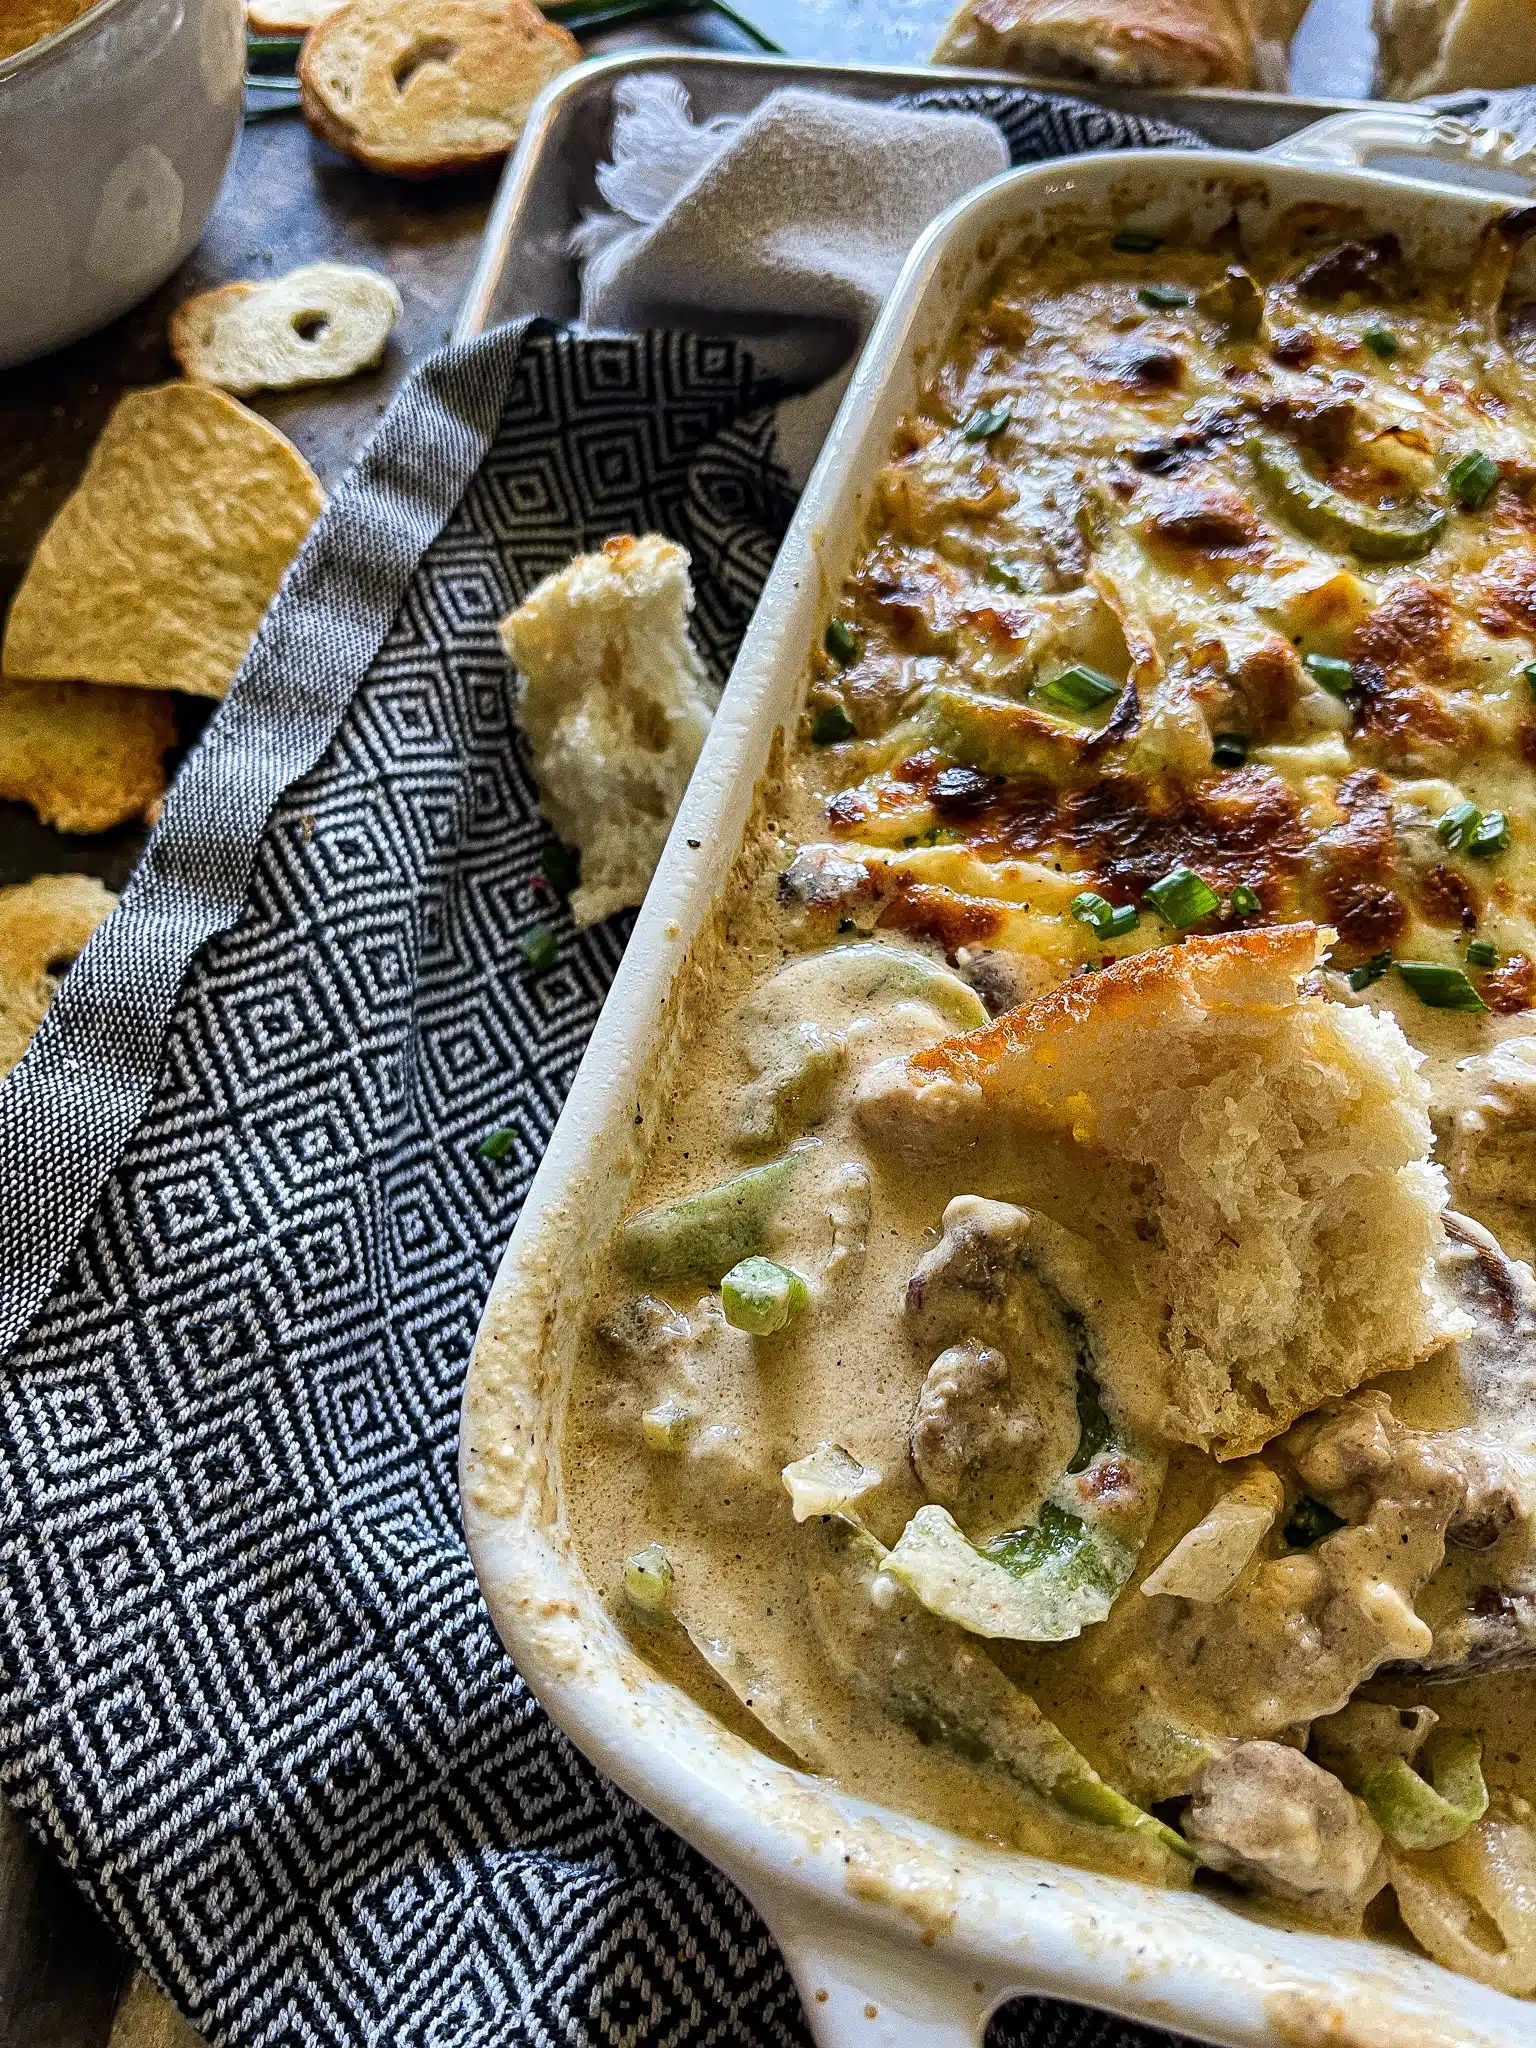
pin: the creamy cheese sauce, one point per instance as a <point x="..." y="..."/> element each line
<point x="1171" y="475"/>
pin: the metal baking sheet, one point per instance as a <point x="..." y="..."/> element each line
<point x="551" y="181"/>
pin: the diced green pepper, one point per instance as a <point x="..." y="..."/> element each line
<point x="1381" y="341"/>
<point x="762" y="1297"/>
<point x="665" y="1427"/>
<point x="1416" y="1814"/>
<point x="1482" y="953"/>
<point x="540" y="948"/>
<point x="705" y="1233"/>
<point x="648" y="1582"/>
<point x="1324" y="514"/>
<point x="1529" y="672"/>
<point x="841" y="641"/>
<point x="1472" y="479"/>
<point x="987" y="424"/>
<point x="830" y="724"/>
<point x="1162" y="298"/>
<point x="497" y="1144"/>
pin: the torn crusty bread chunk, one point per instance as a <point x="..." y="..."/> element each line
<point x="1112" y="42"/>
<point x="44" y="923"/>
<point x="85" y="758"/>
<point x="1251" y="1161"/>
<point x="424" y="87"/>
<point x="287" y="17"/>
<point x="615" y="705"/>
<point x="157" y="568"/>
<point x="317" y="325"/>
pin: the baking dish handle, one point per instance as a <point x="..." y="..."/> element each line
<point x="860" y="1989"/>
<point x="1407" y="144"/>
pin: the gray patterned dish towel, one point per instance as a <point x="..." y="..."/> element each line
<point x="248" y="1691"/>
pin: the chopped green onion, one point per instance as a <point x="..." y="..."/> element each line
<point x="562" y="868"/>
<point x="761" y="1296"/>
<point x="1372" y="970"/>
<point x="1229" y="749"/>
<point x="1482" y="953"/>
<point x="1418" y="1815"/>
<point x="1529" y="672"/>
<point x="1336" y="675"/>
<point x="1439" y="987"/>
<point x="1079" y="689"/>
<point x="1490" y="837"/>
<point x="1182" y="898"/>
<point x="648" y="1581"/>
<point x="1109" y="920"/>
<point x="496" y="1144"/>
<point x="1162" y="298"/>
<point x="1381" y="341"/>
<point x="1456" y="828"/>
<point x="841" y="642"/>
<point x="1245" y="901"/>
<point x="1473" y="479"/>
<point x="540" y="948"/>
<point x="1309" y="1522"/>
<point x="983" y="426"/>
<point x="1135" y="242"/>
<point x="830" y="725"/>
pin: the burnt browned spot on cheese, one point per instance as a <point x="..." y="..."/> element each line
<point x="1448" y="898"/>
<point x="1511" y="987"/>
<point x="1508" y="601"/>
<point x="1294" y="346"/>
<point x="956" y="791"/>
<point x="1408" y="722"/>
<point x="1409" y="633"/>
<point x="1143" y="365"/>
<point x="1355" y="863"/>
<point x="1364" y="266"/>
<point x="927" y="911"/>
<point x="1238" y="828"/>
<point x="1210" y="516"/>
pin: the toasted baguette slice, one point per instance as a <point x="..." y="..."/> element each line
<point x="44" y="923"/>
<point x="1109" y="42"/>
<point x="83" y="756"/>
<point x="424" y="87"/>
<point x="615" y="704"/>
<point x="317" y="325"/>
<point x="1251" y="1161"/>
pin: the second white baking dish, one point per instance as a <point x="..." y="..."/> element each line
<point x="896" y="1932"/>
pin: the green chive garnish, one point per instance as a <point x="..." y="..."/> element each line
<point x="1245" y="901"/>
<point x="1309" y="1522"/>
<point x="562" y="868"/>
<point x="1162" y="298"/>
<point x="1109" y="920"/>
<point x="1529" y="672"/>
<point x="1440" y="988"/>
<point x="1372" y="970"/>
<point x="1229" y="749"/>
<point x="840" y="641"/>
<point x="1473" y="478"/>
<point x="1336" y="675"/>
<point x="982" y="426"/>
<point x="1135" y="242"/>
<point x="540" y="948"/>
<point x="1482" y="953"/>
<point x="1182" y="898"/>
<point x="830" y="725"/>
<point x="1490" y="837"/>
<point x="1455" y="830"/>
<point x="496" y="1144"/>
<point x="1381" y="341"/>
<point x="1079" y="689"/>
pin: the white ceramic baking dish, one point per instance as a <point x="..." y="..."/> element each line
<point x="895" y="1932"/>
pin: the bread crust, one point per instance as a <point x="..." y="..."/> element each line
<point x="1108" y="42"/>
<point x="425" y="88"/>
<point x="1426" y="46"/>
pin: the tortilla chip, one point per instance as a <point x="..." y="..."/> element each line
<point x="84" y="758"/>
<point x="43" y="925"/>
<point x="158" y="569"/>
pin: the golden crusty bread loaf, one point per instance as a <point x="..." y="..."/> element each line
<point x="424" y="87"/>
<point x="1110" y="42"/>
<point x="1250" y="1161"/>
